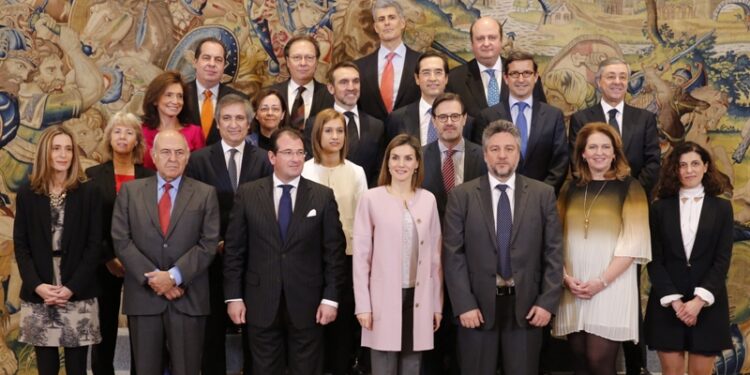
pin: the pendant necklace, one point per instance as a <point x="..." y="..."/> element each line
<point x="587" y="213"/>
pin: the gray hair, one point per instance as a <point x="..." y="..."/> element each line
<point x="230" y="99"/>
<point x="614" y="60"/>
<point x="500" y="126"/>
<point x="382" y="4"/>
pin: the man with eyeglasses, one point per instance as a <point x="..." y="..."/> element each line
<point x="449" y="161"/>
<point x="284" y="262"/>
<point x="544" y="146"/>
<point x="386" y="83"/>
<point x="206" y="89"/>
<point x="303" y="95"/>
<point x="431" y="76"/>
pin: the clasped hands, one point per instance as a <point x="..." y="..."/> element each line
<point x="163" y="285"/>
<point x="581" y="289"/>
<point x="57" y="295"/>
<point x="688" y="311"/>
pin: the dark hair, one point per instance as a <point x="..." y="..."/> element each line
<point x="471" y="28"/>
<point x="620" y="169"/>
<point x="209" y="40"/>
<point x="517" y="55"/>
<point x="448" y="97"/>
<point x="258" y="98"/>
<point x="321" y="119"/>
<point x="154" y="91"/>
<point x="298" y="38"/>
<point x="340" y="65"/>
<point x="714" y="182"/>
<point x="429" y="54"/>
<point x="292" y="132"/>
<point x="400" y="140"/>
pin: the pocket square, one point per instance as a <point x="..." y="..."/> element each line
<point x="312" y="213"/>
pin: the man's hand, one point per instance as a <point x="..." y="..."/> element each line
<point x="220" y="248"/>
<point x="325" y="314"/>
<point x="115" y="267"/>
<point x="236" y="311"/>
<point x="471" y="319"/>
<point x="174" y="293"/>
<point x="365" y="320"/>
<point x="159" y="281"/>
<point x="538" y="317"/>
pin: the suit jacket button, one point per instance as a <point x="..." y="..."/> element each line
<point x="417" y="283"/>
<point x="417" y="305"/>
<point x="165" y="246"/>
<point x="419" y="221"/>
<point x="421" y="242"/>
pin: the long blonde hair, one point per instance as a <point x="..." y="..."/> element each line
<point x="42" y="172"/>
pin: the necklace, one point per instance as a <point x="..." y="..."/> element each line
<point x="57" y="199"/>
<point x="587" y="213"/>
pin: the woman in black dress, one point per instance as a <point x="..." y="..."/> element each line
<point x="270" y="114"/>
<point x="691" y="234"/>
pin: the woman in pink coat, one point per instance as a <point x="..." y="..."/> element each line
<point x="398" y="280"/>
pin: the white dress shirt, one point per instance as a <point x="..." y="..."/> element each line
<point x="398" y="66"/>
<point x="425" y="114"/>
<point x="620" y="107"/>
<point x="237" y="156"/>
<point x="498" y="67"/>
<point x="526" y="112"/>
<point x="496" y="198"/>
<point x="354" y="110"/>
<point x="307" y="96"/>
<point x="458" y="159"/>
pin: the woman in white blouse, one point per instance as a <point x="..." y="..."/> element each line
<point x="329" y="167"/>
<point x="691" y="234"/>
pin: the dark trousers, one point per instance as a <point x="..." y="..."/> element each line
<point x="48" y="360"/>
<point x="340" y="336"/>
<point x="518" y="346"/>
<point x="635" y="354"/>
<point x="214" y="348"/>
<point x="103" y="354"/>
<point x="282" y="348"/>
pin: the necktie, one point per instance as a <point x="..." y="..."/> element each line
<point x="207" y="112"/>
<point x="285" y="210"/>
<point x="386" y="83"/>
<point x="165" y="205"/>
<point x="432" y="135"/>
<point x="449" y="170"/>
<point x="613" y="119"/>
<point x="298" y="110"/>
<point x="351" y="131"/>
<point x="504" y="228"/>
<point x="232" y="168"/>
<point x="522" y="126"/>
<point x="493" y="90"/>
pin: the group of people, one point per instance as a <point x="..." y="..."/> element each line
<point x="402" y="207"/>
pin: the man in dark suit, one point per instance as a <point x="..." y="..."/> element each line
<point x="478" y="81"/>
<point x="502" y="257"/>
<point x="431" y="75"/>
<point x="203" y="93"/>
<point x="303" y="95"/>
<point x="544" y="148"/>
<point x="448" y="162"/>
<point x="366" y="133"/>
<point x="386" y="81"/>
<point x="284" y="260"/>
<point x="225" y="165"/>
<point x="640" y="140"/>
<point x="165" y="230"/>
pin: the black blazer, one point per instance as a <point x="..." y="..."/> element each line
<point x="639" y="137"/>
<point x="474" y="166"/>
<point x="370" y="100"/>
<point x="191" y="113"/>
<point x="308" y="267"/>
<point x="368" y="154"/>
<point x="103" y="179"/>
<point x="322" y="99"/>
<point x="547" y="148"/>
<point x="208" y="165"/>
<point x="406" y="120"/>
<point x="81" y="240"/>
<point x="671" y="273"/>
<point x="466" y="81"/>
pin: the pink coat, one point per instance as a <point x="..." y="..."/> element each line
<point x="377" y="267"/>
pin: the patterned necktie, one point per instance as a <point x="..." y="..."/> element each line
<point x="165" y="206"/>
<point x="232" y="168"/>
<point x="613" y="119"/>
<point x="386" y="83"/>
<point x="504" y="224"/>
<point x="493" y="90"/>
<point x="207" y="112"/>
<point x="432" y="134"/>
<point x="523" y="128"/>
<point x="449" y="170"/>
<point x="285" y="210"/>
<point x="298" y="110"/>
<point x="351" y="131"/>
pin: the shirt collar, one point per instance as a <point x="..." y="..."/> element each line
<point x="400" y="51"/>
<point x="606" y="107"/>
<point x="424" y="107"/>
<point x="226" y="147"/>
<point x="277" y="182"/>
<point x="695" y="192"/>
<point x="460" y="147"/>
<point x="498" y="68"/>
<point x="214" y="90"/>
<point x="175" y="183"/>
<point x="309" y="87"/>
<point x="512" y="100"/>
<point x="341" y="110"/>
<point x="511" y="181"/>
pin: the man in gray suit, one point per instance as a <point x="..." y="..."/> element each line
<point x="502" y="258"/>
<point x="165" y="230"/>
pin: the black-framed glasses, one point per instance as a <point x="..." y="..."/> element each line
<point x="455" y="117"/>
<point x="516" y="74"/>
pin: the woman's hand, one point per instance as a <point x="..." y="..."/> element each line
<point x="590" y="288"/>
<point x="690" y="311"/>
<point x="574" y="285"/>
<point x="64" y="295"/>
<point x="115" y="267"/>
<point x="48" y="292"/>
<point x="436" y="321"/>
<point x="365" y="320"/>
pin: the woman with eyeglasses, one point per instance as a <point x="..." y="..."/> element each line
<point x="398" y="279"/>
<point x="270" y="114"/>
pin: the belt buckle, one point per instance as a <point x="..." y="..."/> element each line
<point x="505" y="290"/>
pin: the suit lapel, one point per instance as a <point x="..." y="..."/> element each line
<point x="72" y="215"/>
<point x="371" y="77"/>
<point x="194" y="103"/>
<point x="475" y="85"/>
<point x="245" y="167"/>
<point x="520" y="197"/>
<point x="406" y="77"/>
<point x="673" y="226"/>
<point x="149" y="198"/>
<point x="472" y="160"/>
<point x="411" y="125"/>
<point x="219" y="166"/>
<point x="627" y="124"/>
<point x="433" y="167"/>
<point x="535" y="130"/>
<point x="184" y="194"/>
<point x="705" y="223"/>
<point x="485" y="200"/>
<point x="301" y="204"/>
<point x="267" y="205"/>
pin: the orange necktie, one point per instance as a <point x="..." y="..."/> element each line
<point x="386" y="83"/>
<point x="207" y="113"/>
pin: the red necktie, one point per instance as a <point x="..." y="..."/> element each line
<point x="386" y="83"/>
<point x="449" y="170"/>
<point x="165" y="205"/>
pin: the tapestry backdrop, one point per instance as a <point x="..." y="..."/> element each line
<point x="77" y="62"/>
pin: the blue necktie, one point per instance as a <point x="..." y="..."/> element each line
<point x="504" y="224"/>
<point x="285" y="210"/>
<point x="493" y="90"/>
<point x="522" y="126"/>
<point x="432" y="135"/>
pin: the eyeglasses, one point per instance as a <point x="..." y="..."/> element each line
<point x="291" y="153"/>
<point x="525" y="74"/>
<point x="299" y="58"/>
<point x="270" y="109"/>
<point x="455" y="117"/>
